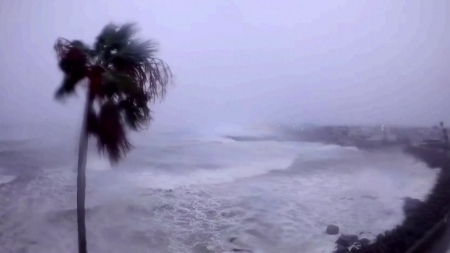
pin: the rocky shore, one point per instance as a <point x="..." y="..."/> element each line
<point x="424" y="224"/>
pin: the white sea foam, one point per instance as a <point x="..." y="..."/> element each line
<point x="233" y="161"/>
<point x="205" y="176"/>
<point x="6" y="179"/>
<point x="272" y="196"/>
<point x="97" y="163"/>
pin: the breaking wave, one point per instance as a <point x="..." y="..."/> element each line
<point x="206" y="194"/>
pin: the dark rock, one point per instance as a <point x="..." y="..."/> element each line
<point x="364" y="241"/>
<point x="242" y="250"/>
<point x="369" y="197"/>
<point x="332" y="230"/>
<point x="341" y="249"/>
<point x="232" y="239"/>
<point x="354" y="250"/>
<point x="383" y="247"/>
<point x="388" y="233"/>
<point x="380" y="237"/>
<point x="201" y="248"/>
<point x="411" y="205"/>
<point x="346" y="240"/>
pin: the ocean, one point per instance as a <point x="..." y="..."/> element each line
<point x="193" y="192"/>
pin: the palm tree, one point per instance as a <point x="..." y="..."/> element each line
<point x="123" y="76"/>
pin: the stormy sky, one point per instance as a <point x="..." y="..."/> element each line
<point x="246" y="61"/>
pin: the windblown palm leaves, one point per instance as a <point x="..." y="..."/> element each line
<point x="123" y="76"/>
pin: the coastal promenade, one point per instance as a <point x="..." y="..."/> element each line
<point x="428" y="229"/>
<point x="442" y="245"/>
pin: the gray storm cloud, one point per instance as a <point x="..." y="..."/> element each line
<point x="246" y="62"/>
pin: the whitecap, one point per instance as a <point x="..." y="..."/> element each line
<point x="7" y="179"/>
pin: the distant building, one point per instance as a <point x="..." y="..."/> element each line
<point x="362" y="132"/>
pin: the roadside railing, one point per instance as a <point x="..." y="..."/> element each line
<point x="431" y="237"/>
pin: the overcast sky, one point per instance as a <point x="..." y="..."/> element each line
<point x="246" y="61"/>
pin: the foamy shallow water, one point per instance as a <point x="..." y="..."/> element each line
<point x="193" y="195"/>
<point x="6" y="179"/>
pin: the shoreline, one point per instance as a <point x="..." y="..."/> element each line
<point x="426" y="228"/>
<point x="422" y="230"/>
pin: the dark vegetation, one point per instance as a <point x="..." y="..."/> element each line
<point x="123" y="76"/>
<point x="423" y="226"/>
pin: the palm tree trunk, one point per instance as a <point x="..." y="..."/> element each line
<point x="81" y="178"/>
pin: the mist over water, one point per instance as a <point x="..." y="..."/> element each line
<point x="188" y="192"/>
<point x="186" y="188"/>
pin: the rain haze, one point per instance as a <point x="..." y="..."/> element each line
<point x="208" y="176"/>
<point x="248" y="62"/>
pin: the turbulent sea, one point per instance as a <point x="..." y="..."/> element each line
<point x="186" y="192"/>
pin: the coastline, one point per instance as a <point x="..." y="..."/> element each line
<point x="423" y="229"/>
<point x="427" y="229"/>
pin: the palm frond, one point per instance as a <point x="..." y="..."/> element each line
<point x="73" y="61"/>
<point x="83" y="47"/>
<point x="124" y="76"/>
<point x="113" y="38"/>
<point x="111" y="136"/>
<point x="61" y="47"/>
<point x="125" y="33"/>
<point x="96" y="82"/>
<point x="92" y="123"/>
<point x="72" y="53"/>
<point x="105" y="37"/>
<point x="137" y="60"/>
<point x="119" y="84"/>
<point x="69" y="82"/>
<point x="159" y="77"/>
<point x="136" y="113"/>
<point x="121" y="51"/>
